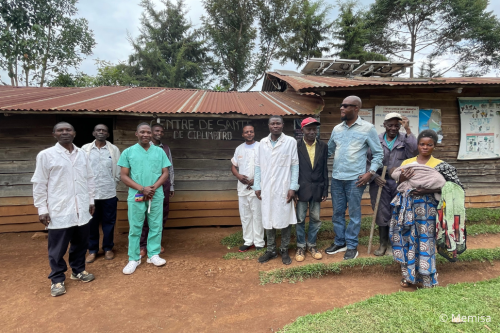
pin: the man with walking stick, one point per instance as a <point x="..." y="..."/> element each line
<point x="397" y="147"/>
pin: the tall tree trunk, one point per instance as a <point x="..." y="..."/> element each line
<point x="11" y="73"/>
<point x="412" y="51"/>
<point x="15" y="74"/>
<point x="44" y="62"/>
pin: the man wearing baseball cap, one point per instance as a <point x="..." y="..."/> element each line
<point x="397" y="147"/>
<point x="313" y="181"/>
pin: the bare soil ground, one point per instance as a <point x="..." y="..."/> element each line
<point x="197" y="291"/>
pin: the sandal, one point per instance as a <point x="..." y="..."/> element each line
<point x="405" y="283"/>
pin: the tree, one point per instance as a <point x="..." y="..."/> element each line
<point x="247" y="35"/>
<point x="72" y="80"/>
<point x="108" y="74"/>
<point x="309" y="29"/>
<point x="461" y="29"/>
<point x="229" y="26"/>
<point x="42" y="37"/>
<point x="429" y="69"/>
<point x="351" y="34"/>
<point x="169" y="52"/>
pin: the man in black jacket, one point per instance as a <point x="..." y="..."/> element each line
<point x="313" y="181"/>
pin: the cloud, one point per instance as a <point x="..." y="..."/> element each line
<point x="111" y="20"/>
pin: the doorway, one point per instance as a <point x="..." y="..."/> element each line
<point x="84" y="126"/>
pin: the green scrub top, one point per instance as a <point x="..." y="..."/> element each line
<point x="145" y="166"/>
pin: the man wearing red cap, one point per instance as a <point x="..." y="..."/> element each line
<point x="313" y="181"/>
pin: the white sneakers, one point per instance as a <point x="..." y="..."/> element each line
<point x="131" y="266"/>
<point x="156" y="260"/>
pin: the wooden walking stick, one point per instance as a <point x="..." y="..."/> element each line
<point x="379" y="193"/>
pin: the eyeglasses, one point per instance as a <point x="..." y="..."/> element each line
<point x="347" y="105"/>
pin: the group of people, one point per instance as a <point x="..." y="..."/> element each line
<point x="412" y="217"/>
<point x="74" y="190"/>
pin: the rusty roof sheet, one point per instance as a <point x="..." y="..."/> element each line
<point x="302" y="83"/>
<point x="157" y="100"/>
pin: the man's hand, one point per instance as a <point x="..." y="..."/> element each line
<point x="289" y="197"/>
<point x="323" y="199"/>
<point x="148" y="192"/>
<point x="296" y="198"/>
<point x="363" y="179"/>
<point x="172" y="193"/>
<point x="250" y="182"/>
<point x="406" y="124"/>
<point x="91" y="209"/>
<point x="405" y="174"/>
<point x="243" y="179"/>
<point x="44" y="219"/>
<point x="257" y="193"/>
<point x="379" y="181"/>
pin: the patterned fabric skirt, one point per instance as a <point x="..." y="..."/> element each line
<point x="413" y="237"/>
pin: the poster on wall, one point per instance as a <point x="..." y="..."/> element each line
<point x="412" y="112"/>
<point x="431" y="119"/>
<point x="480" y="128"/>
<point x="366" y="115"/>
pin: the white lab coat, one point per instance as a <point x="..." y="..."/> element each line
<point x="275" y="163"/>
<point x="244" y="160"/>
<point x="63" y="189"/>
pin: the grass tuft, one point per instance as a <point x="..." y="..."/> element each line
<point x="299" y="273"/>
<point x="483" y="215"/>
<point x="425" y="310"/>
<point x="244" y="255"/>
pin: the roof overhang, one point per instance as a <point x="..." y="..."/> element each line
<point x="157" y="101"/>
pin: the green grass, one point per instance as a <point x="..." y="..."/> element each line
<point x="479" y="221"/>
<point x="425" y="310"/>
<point x="482" y="215"/>
<point x="236" y="239"/>
<point x="299" y="273"/>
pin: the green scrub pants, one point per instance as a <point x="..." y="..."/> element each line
<point x="136" y="214"/>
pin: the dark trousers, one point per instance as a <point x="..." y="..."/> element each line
<point x="166" y="204"/>
<point x="58" y="242"/>
<point x="105" y="215"/>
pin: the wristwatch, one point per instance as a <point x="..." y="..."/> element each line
<point x="372" y="172"/>
<point x="142" y="190"/>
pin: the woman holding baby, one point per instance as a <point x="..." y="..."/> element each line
<point x="415" y="212"/>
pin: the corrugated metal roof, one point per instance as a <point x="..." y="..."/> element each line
<point x="301" y="83"/>
<point x="157" y="100"/>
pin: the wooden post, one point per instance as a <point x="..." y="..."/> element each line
<point x="375" y="210"/>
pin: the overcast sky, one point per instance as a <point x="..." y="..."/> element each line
<point x="111" y="20"/>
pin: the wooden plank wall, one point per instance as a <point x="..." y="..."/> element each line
<point x="205" y="188"/>
<point x="481" y="177"/>
<point x="22" y="137"/>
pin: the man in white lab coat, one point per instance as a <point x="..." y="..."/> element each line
<point x="63" y="192"/>
<point x="275" y="183"/>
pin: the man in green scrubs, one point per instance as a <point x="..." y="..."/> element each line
<point x="144" y="169"/>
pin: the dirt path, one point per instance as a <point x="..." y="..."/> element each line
<point x="197" y="291"/>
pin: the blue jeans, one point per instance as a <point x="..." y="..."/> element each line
<point x="105" y="215"/>
<point x="346" y="192"/>
<point x="314" y="223"/>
